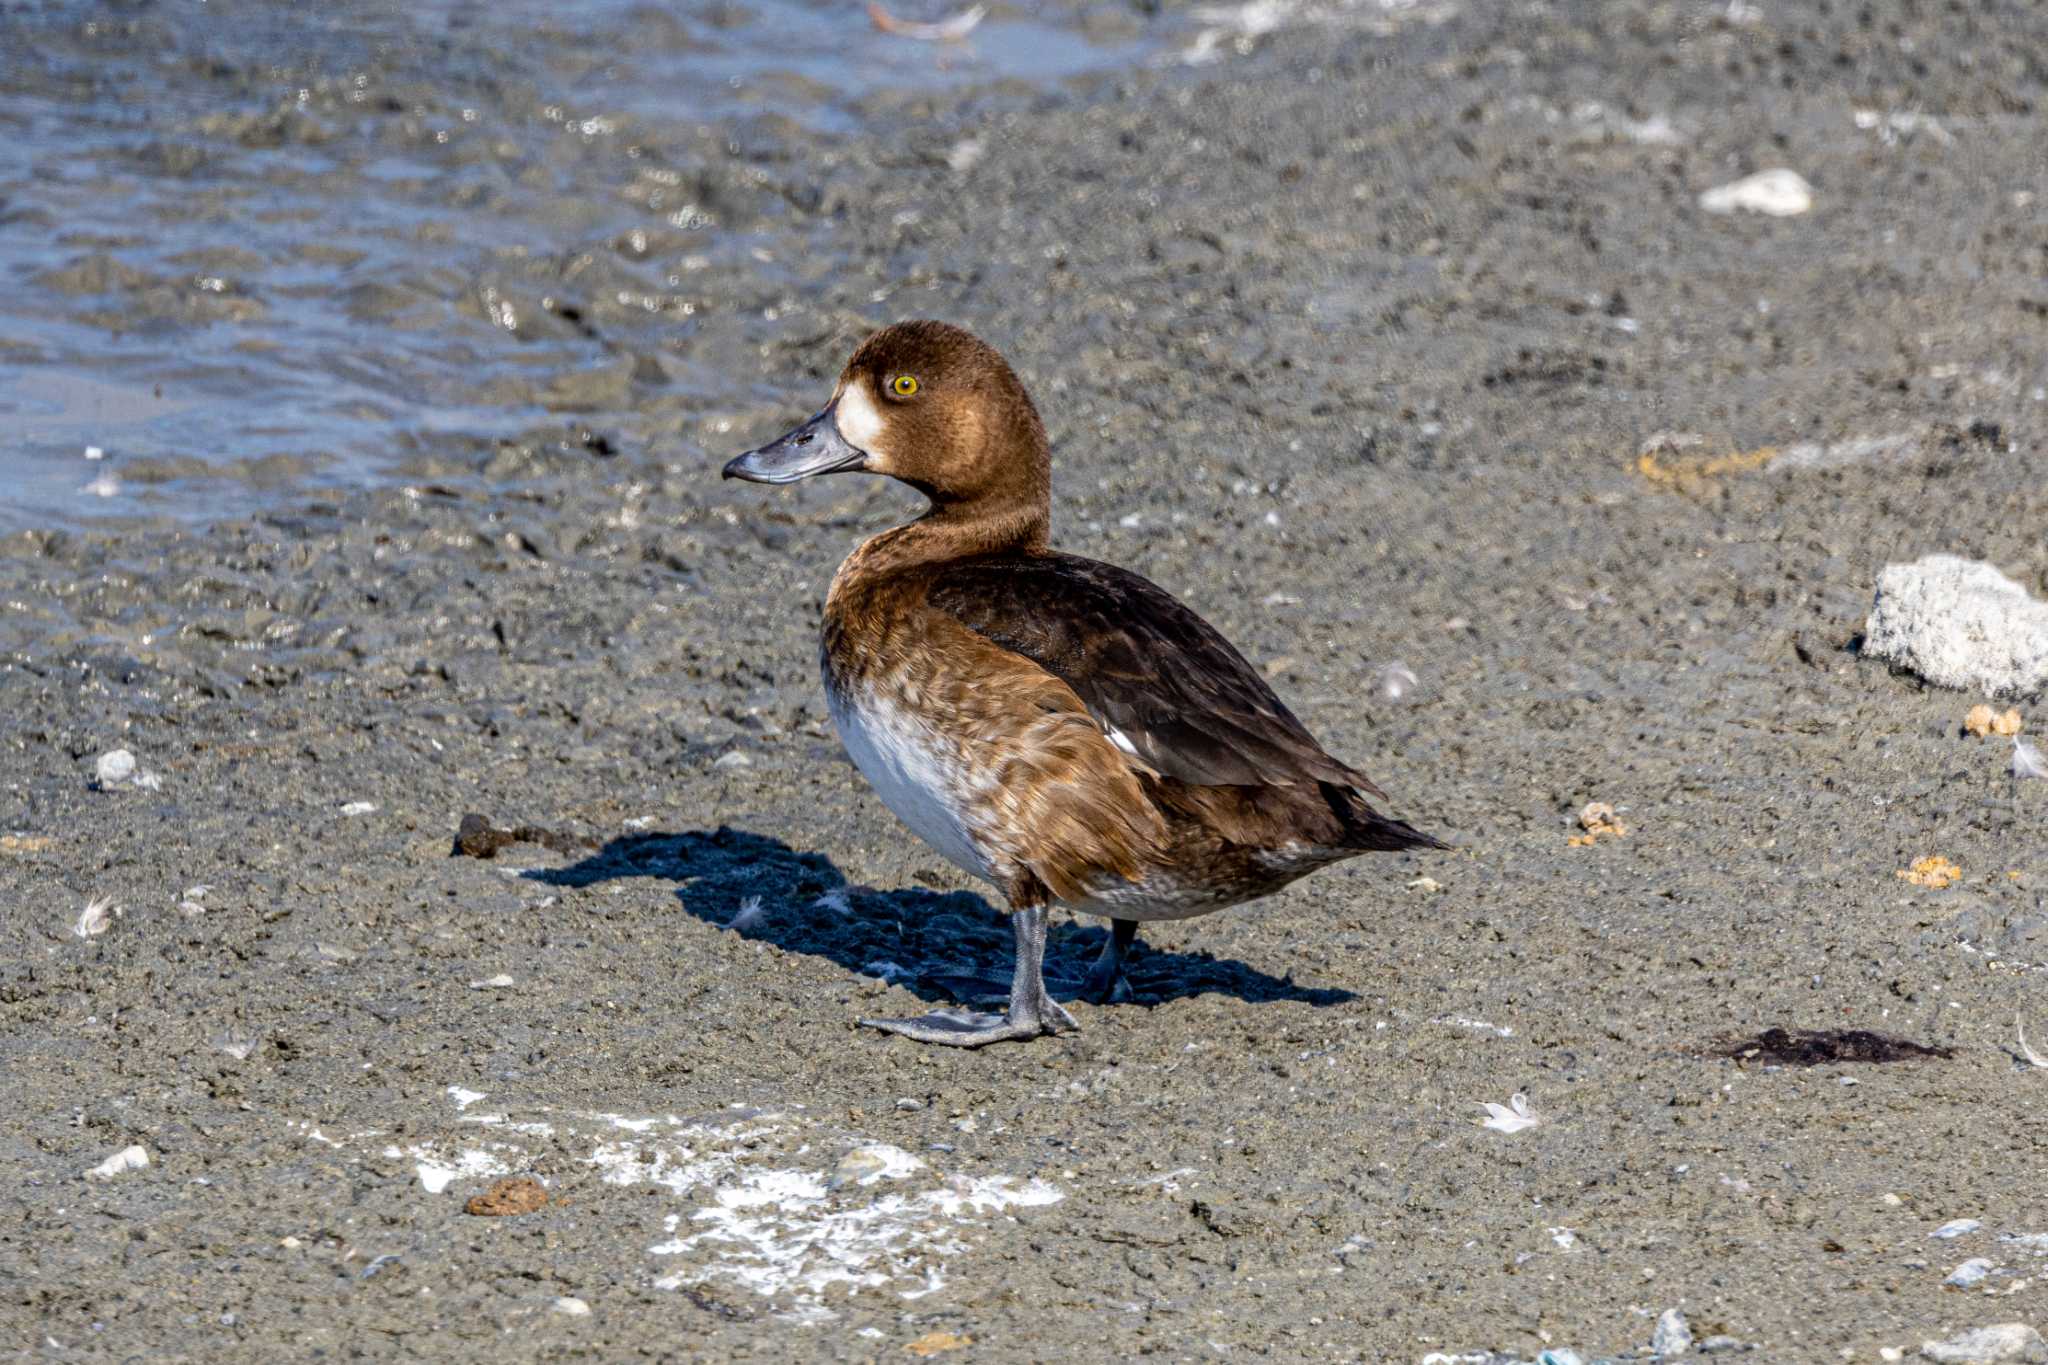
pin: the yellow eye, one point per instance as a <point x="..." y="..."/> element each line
<point x="904" y="385"/>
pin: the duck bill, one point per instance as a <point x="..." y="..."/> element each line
<point x="814" y="448"/>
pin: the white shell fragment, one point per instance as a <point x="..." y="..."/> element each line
<point x="493" y="983"/>
<point x="359" y="808"/>
<point x="96" y="918"/>
<point x="128" y="1159"/>
<point x="1776" y="193"/>
<point x="1960" y="1227"/>
<point x="1959" y="623"/>
<point x="571" y="1307"/>
<point x="1511" y="1117"/>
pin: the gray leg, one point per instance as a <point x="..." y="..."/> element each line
<point x="1031" y="1013"/>
<point x="1108" y="972"/>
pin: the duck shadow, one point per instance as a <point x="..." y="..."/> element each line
<point x="942" y="946"/>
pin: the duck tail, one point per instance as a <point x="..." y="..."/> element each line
<point x="1370" y="831"/>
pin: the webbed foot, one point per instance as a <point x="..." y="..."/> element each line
<point x="973" y="1028"/>
<point x="1032" y="1012"/>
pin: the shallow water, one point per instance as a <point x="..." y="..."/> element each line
<point x="250" y="249"/>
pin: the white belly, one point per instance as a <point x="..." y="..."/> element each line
<point x="917" y="775"/>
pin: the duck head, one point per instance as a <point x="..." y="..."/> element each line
<point x="930" y="405"/>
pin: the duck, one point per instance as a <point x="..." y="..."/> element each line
<point x="1062" y="728"/>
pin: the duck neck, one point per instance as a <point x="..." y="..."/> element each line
<point x="988" y="525"/>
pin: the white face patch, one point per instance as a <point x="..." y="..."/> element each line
<point x="860" y="421"/>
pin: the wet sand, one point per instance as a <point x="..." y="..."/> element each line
<point x="1362" y="343"/>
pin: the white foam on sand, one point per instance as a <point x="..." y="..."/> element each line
<point x="781" y="1231"/>
<point x="776" y="1203"/>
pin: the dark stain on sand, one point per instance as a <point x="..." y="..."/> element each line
<point x="1820" y="1047"/>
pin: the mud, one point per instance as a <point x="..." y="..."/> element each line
<point x="1375" y="341"/>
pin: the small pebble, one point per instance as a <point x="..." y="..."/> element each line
<point x="493" y="983"/>
<point x="575" y="1308"/>
<point x="737" y="758"/>
<point x="1776" y="193"/>
<point x="1956" y="1228"/>
<point x="115" y="767"/>
<point x="909" y="1105"/>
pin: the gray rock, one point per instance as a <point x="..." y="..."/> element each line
<point x="1672" y="1337"/>
<point x="2008" y="1341"/>
<point x="1969" y="1272"/>
<point x="1959" y="623"/>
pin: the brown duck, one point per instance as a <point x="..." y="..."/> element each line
<point x="1058" y="726"/>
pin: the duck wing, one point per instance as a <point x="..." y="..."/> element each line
<point x="1163" y="683"/>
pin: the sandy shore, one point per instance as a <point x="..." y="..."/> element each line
<point x="1358" y="343"/>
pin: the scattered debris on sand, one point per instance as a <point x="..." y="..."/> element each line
<point x="1933" y="871"/>
<point x="509" y="1198"/>
<point x="477" y="837"/>
<point x="934" y="1343"/>
<point x="949" y="30"/>
<point x="1597" y="819"/>
<point x="1822" y="1047"/>
<point x="1983" y="721"/>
